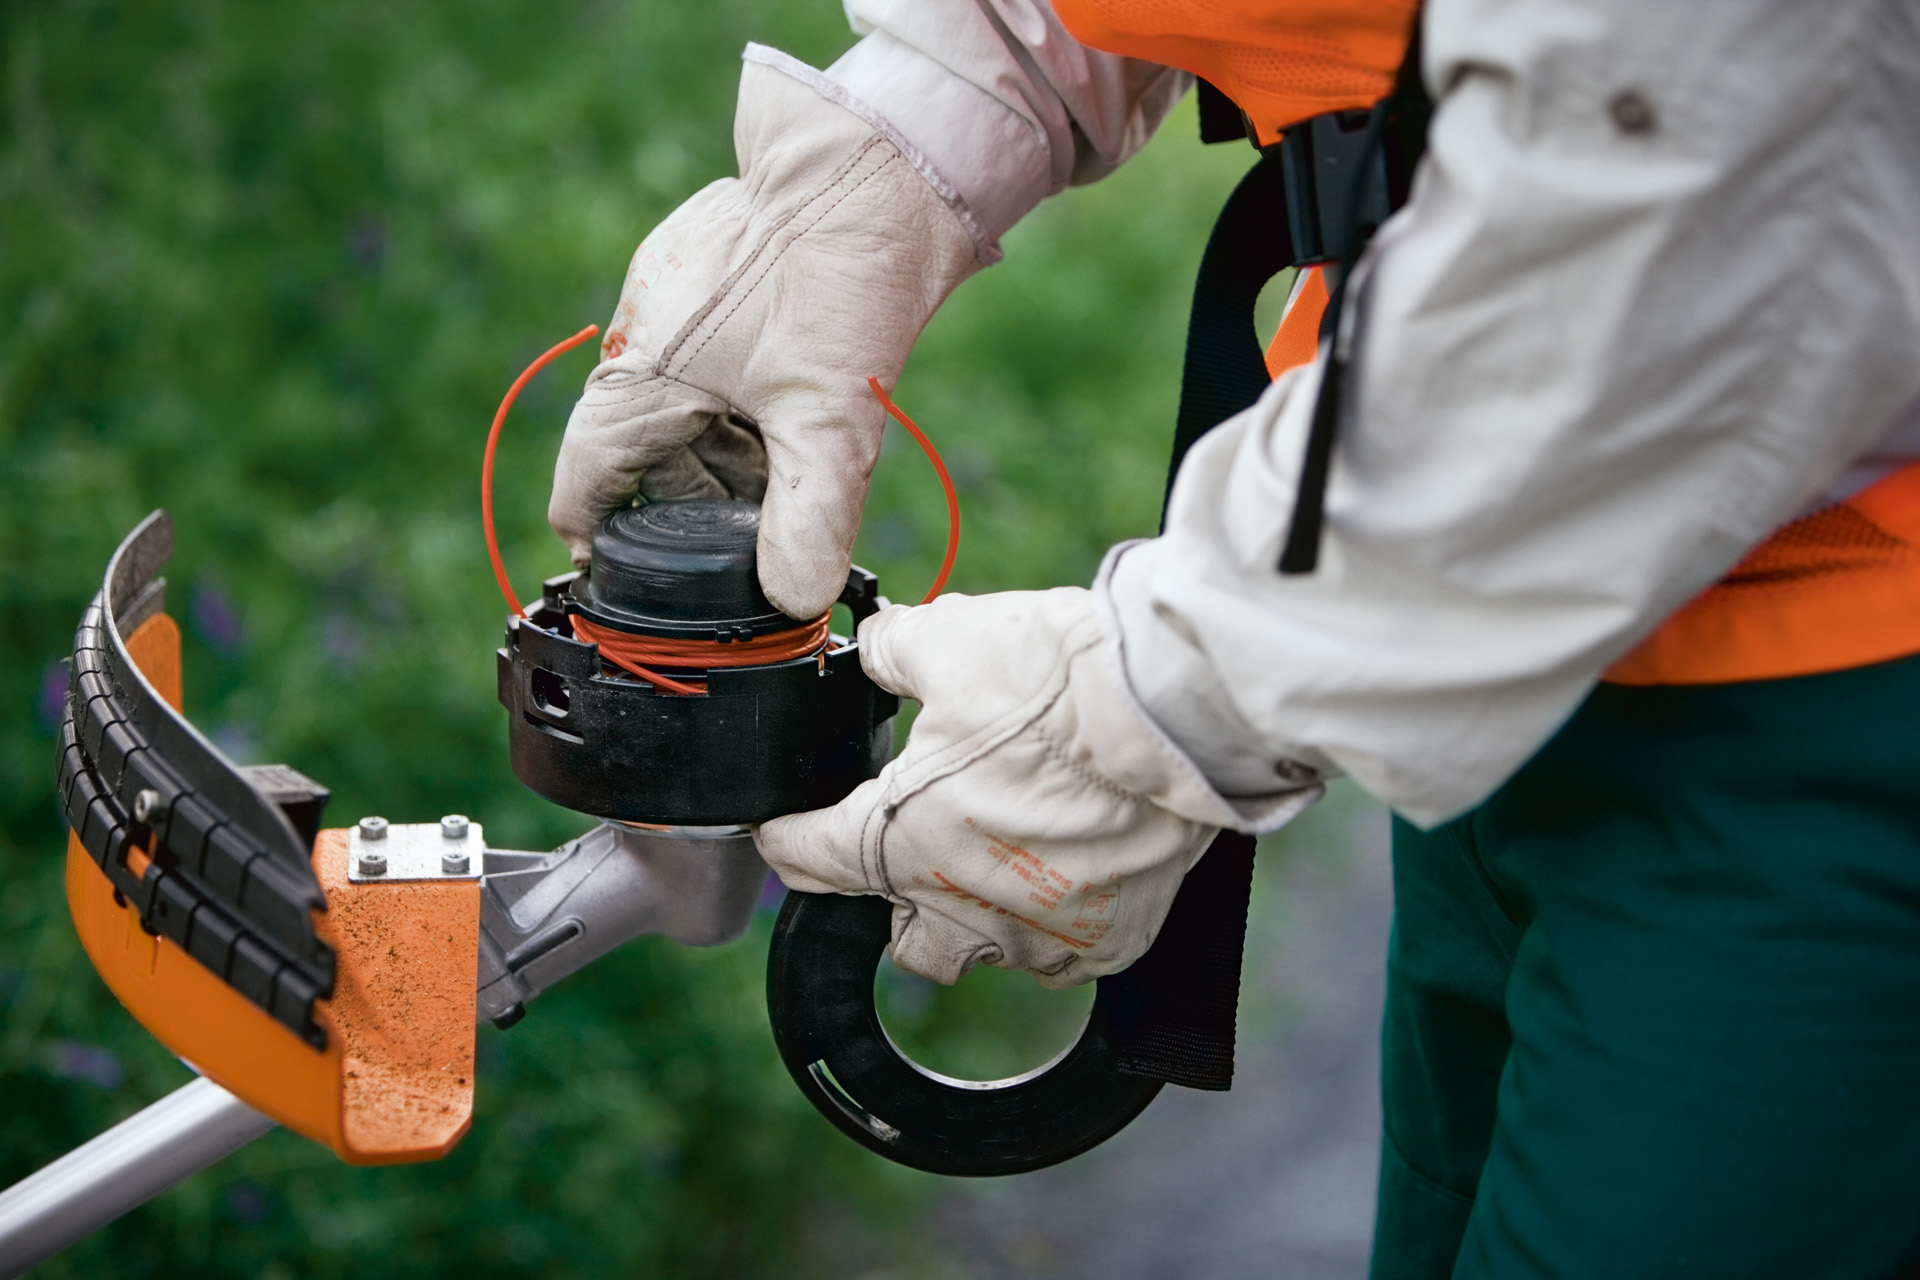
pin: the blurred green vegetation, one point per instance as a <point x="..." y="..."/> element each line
<point x="271" y="266"/>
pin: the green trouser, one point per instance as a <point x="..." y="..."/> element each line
<point x="1654" y="1008"/>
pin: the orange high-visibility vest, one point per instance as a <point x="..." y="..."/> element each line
<point x="1281" y="61"/>
<point x="1835" y="589"/>
<point x="1838" y="588"/>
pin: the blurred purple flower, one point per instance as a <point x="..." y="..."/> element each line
<point x="247" y="1202"/>
<point x="909" y="995"/>
<point x="236" y="742"/>
<point x="340" y="638"/>
<point x="215" y="618"/>
<point x="51" y="704"/>
<point x="87" y="1064"/>
<point x="893" y="538"/>
<point x="969" y="467"/>
<point x="772" y="893"/>
<point x="367" y="242"/>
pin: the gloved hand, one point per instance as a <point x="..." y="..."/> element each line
<point x="736" y="364"/>
<point x="1036" y="819"/>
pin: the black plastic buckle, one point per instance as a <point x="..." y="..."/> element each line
<point x="1337" y="186"/>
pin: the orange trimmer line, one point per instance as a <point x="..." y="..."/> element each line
<point x="486" y="506"/>
<point x="946" y="484"/>
<point x="547" y="357"/>
<point x="621" y="660"/>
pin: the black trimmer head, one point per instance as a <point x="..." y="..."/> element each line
<point x="761" y="741"/>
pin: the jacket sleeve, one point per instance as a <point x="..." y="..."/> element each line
<point x="1003" y="103"/>
<point x="1655" y="289"/>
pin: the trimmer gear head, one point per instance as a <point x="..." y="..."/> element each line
<point x="757" y="742"/>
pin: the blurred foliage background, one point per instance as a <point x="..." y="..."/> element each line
<point x="271" y="267"/>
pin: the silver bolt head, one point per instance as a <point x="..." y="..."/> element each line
<point x="453" y="864"/>
<point x="146" y="805"/>
<point x="374" y="829"/>
<point x="372" y="864"/>
<point x="454" y="826"/>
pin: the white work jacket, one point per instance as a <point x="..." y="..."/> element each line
<point x="1656" y="291"/>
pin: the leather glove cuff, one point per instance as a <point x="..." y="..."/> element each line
<point x="985" y="236"/>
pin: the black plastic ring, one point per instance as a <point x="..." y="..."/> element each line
<point x="820" y="972"/>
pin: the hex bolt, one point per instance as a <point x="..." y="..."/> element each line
<point x="453" y="864"/>
<point x="454" y="826"/>
<point x="371" y="863"/>
<point x="373" y="828"/>
<point x="147" y="806"/>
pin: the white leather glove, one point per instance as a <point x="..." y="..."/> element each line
<point x="737" y="362"/>
<point x="1036" y="819"/>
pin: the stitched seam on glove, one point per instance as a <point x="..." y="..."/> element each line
<point x="903" y="784"/>
<point x="991" y="949"/>
<point x="873" y="846"/>
<point x="643" y="382"/>
<point x="951" y="758"/>
<point x="671" y="351"/>
<point x="1056" y="750"/>
<point x="836" y="93"/>
<point x="655" y="382"/>
<point x="884" y="878"/>
<point x="767" y="254"/>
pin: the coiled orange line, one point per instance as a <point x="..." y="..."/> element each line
<point x="637" y="654"/>
<point x="632" y="653"/>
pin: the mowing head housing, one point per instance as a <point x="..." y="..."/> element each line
<point x="778" y="716"/>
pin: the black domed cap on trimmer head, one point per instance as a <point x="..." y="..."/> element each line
<point x="681" y="569"/>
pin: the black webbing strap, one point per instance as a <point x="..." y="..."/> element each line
<point x="1170" y="1015"/>
<point x="1220" y="119"/>
<point x="1225" y="369"/>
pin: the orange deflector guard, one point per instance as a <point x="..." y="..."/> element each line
<point x="395" y="1082"/>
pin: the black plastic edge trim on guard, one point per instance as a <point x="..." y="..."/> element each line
<point x="820" y="973"/>
<point x="230" y="882"/>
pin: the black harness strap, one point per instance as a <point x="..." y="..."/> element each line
<point x="1220" y="119"/>
<point x="1354" y="187"/>
<point x="1171" y="1015"/>
<point x="1225" y="370"/>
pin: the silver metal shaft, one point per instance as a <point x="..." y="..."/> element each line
<point x="542" y="917"/>
<point x="128" y="1165"/>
